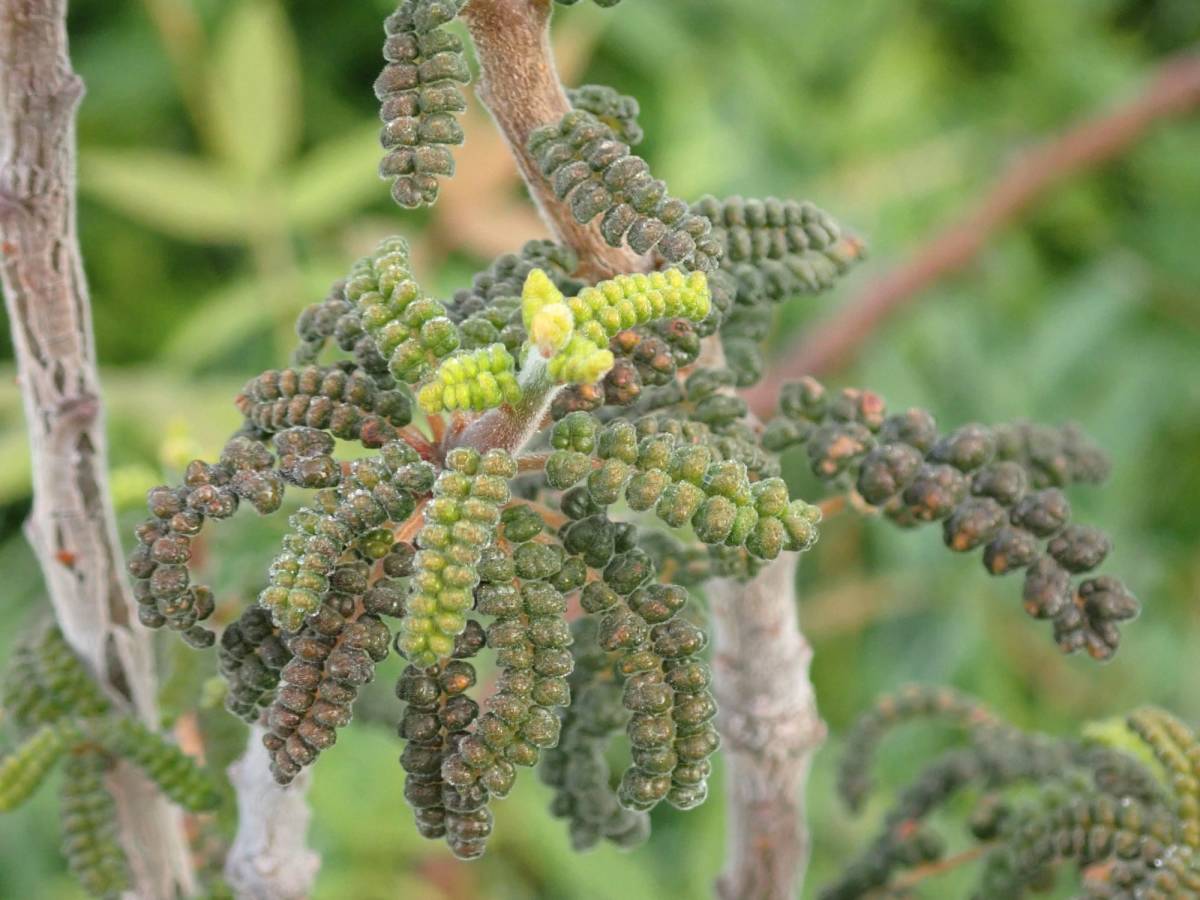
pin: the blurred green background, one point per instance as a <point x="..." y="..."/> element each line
<point x="228" y="153"/>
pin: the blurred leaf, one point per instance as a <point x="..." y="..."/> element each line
<point x="254" y="89"/>
<point x="218" y="323"/>
<point x="15" y="473"/>
<point x="184" y="197"/>
<point x="1087" y="312"/>
<point x="335" y="179"/>
<point x="229" y="316"/>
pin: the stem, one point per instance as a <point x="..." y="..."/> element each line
<point x="769" y="719"/>
<point x="519" y="86"/>
<point x="71" y="526"/>
<point x="770" y="730"/>
<point x="269" y="859"/>
<point x="915" y="876"/>
<point x="512" y="426"/>
<point x="1173" y="91"/>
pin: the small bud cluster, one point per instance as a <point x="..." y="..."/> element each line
<point x="88" y="818"/>
<point x="419" y="90"/>
<point x="165" y="764"/>
<point x="909" y="704"/>
<point x="900" y="464"/>
<point x="772" y="250"/>
<point x="1175" y="747"/>
<point x="437" y="713"/>
<point x="776" y="249"/>
<point x="472" y="380"/>
<point x="682" y="483"/>
<point x="158" y="563"/>
<point x="1053" y="456"/>
<point x="595" y="174"/>
<point x="317" y="323"/>
<point x="755" y="230"/>
<point x="23" y="770"/>
<point x="618" y="111"/>
<point x="1047" y="801"/>
<point x="600" y="311"/>
<point x="655" y="654"/>
<point x="531" y="638"/>
<point x="460" y="521"/>
<point x="578" y="768"/>
<point x="342" y="400"/>
<point x="495" y="293"/>
<point x="376" y="491"/>
<point x="250" y="657"/>
<point x="581" y="335"/>
<point x="332" y="658"/>
<point x="59" y="713"/>
<point x="1140" y="842"/>
<point x="408" y="330"/>
<point x="45" y="682"/>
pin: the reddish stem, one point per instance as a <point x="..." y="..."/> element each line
<point x="1173" y="91"/>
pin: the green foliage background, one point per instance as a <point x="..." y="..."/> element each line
<point x="227" y="171"/>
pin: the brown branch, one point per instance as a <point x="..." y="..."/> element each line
<point x="1173" y="91"/>
<point x="71" y="526"/>
<point x="770" y="730"/>
<point x="939" y="867"/>
<point x="520" y="87"/>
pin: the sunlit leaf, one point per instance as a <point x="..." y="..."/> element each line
<point x="254" y="89"/>
<point x="223" y="321"/>
<point x="179" y="195"/>
<point x="335" y="179"/>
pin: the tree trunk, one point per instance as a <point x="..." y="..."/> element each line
<point x="769" y="727"/>
<point x="71" y="526"/>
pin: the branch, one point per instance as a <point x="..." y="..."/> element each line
<point x="520" y="88"/>
<point x="269" y="859"/>
<point x="770" y="730"/>
<point x="915" y="876"/>
<point x="768" y="719"/>
<point x="71" y="525"/>
<point x="1174" y="91"/>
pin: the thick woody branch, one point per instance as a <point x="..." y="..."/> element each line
<point x="269" y="859"/>
<point x="71" y="525"/>
<point x="521" y="89"/>
<point x="770" y="730"/>
<point x="1173" y="91"/>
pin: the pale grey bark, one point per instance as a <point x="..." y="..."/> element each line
<point x="269" y="858"/>
<point x="769" y="727"/>
<point x="71" y="525"/>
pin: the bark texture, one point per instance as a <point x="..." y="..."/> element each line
<point x="269" y="859"/>
<point x="769" y="727"/>
<point x="71" y="525"/>
<point x="520" y="87"/>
